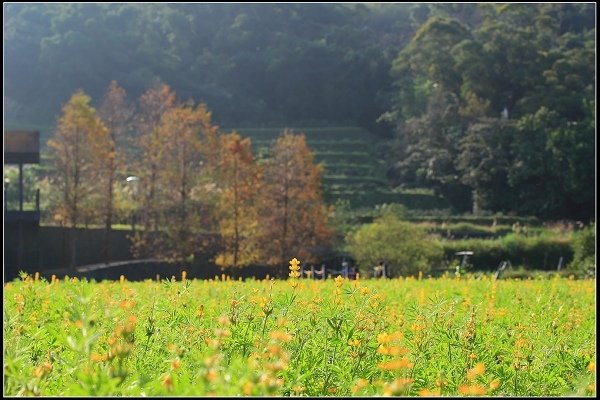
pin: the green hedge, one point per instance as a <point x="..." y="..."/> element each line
<point x="541" y="253"/>
<point x="325" y="145"/>
<point x="344" y="157"/>
<point x="321" y="133"/>
<point x="584" y="248"/>
<point x="477" y="220"/>
<point x="351" y="180"/>
<point x="370" y="198"/>
<point x="465" y="230"/>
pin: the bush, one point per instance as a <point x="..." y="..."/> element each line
<point x="406" y="248"/>
<point x="584" y="249"/>
<point x="538" y="252"/>
<point x="526" y="274"/>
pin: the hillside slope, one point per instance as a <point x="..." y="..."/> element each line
<point x="353" y="169"/>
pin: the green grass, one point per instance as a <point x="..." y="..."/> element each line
<point x="367" y="338"/>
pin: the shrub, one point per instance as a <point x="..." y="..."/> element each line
<point x="537" y="252"/>
<point x="406" y="248"/>
<point x="584" y="249"/>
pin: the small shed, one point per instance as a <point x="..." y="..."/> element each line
<point x="21" y="240"/>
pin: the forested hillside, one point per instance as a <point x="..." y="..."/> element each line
<point x="491" y="106"/>
<point x="501" y="115"/>
<point x="251" y="63"/>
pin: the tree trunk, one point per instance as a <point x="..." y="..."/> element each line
<point x="108" y="228"/>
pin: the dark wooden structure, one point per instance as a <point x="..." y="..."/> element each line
<point x="21" y="226"/>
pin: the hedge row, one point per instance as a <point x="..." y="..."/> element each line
<point x="540" y="253"/>
<point x="475" y="219"/>
<point x="324" y="145"/>
<point x="467" y="230"/>
<point x="327" y="133"/>
<point x="350" y="180"/>
<point x="371" y="198"/>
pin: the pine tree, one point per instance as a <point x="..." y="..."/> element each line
<point x="153" y="104"/>
<point x="78" y="144"/>
<point x="116" y="115"/>
<point x="237" y="203"/>
<point x="293" y="216"/>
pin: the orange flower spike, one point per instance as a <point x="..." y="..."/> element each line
<point x="294" y="268"/>
<point x="495" y="384"/>
<point x="384" y="338"/>
<point x="429" y="393"/>
<point x="474" y="372"/>
<point x="473" y="390"/>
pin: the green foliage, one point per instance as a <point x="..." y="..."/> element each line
<point x="250" y="62"/>
<point x="535" y="252"/>
<point x="406" y="248"/>
<point x="490" y="220"/>
<point x="11" y="186"/>
<point x="484" y="162"/>
<point x="534" y="159"/>
<point x="324" y="338"/>
<point x="465" y="230"/>
<point x="584" y="249"/>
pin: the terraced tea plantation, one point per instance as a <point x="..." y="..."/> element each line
<point x="353" y="169"/>
<point x="446" y="336"/>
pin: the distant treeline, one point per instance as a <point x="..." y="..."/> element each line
<point x="500" y="116"/>
<point x="251" y="63"/>
<point x="490" y="105"/>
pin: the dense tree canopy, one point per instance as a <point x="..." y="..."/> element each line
<point x="499" y="114"/>
<point x="491" y="105"/>
<point x="244" y="60"/>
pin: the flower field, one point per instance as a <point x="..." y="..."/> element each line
<point x="410" y="336"/>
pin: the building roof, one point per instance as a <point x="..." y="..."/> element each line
<point x="21" y="147"/>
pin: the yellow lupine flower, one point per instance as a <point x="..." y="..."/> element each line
<point x="298" y="389"/>
<point x="294" y="268"/>
<point x="591" y="388"/>
<point x="395" y="364"/>
<point x="429" y="393"/>
<point x="247" y="388"/>
<point x="211" y="375"/>
<point x="383" y="338"/>
<point x="471" y="390"/>
<point x="98" y="357"/>
<point x="43" y="370"/>
<point x="281" y="336"/>
<point x="397" y="351"/>
<point x="200" y="311"/>
<point x="397" y="387"/>
<point x="495" y="384"/>
<point x="474" y="372"/>
<point x="361" y="383"/>
<point x="592" y="367"/>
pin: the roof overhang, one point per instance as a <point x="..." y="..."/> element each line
<point x="21" y="147"/>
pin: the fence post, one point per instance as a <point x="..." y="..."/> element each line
<point x="560" y="262"/>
